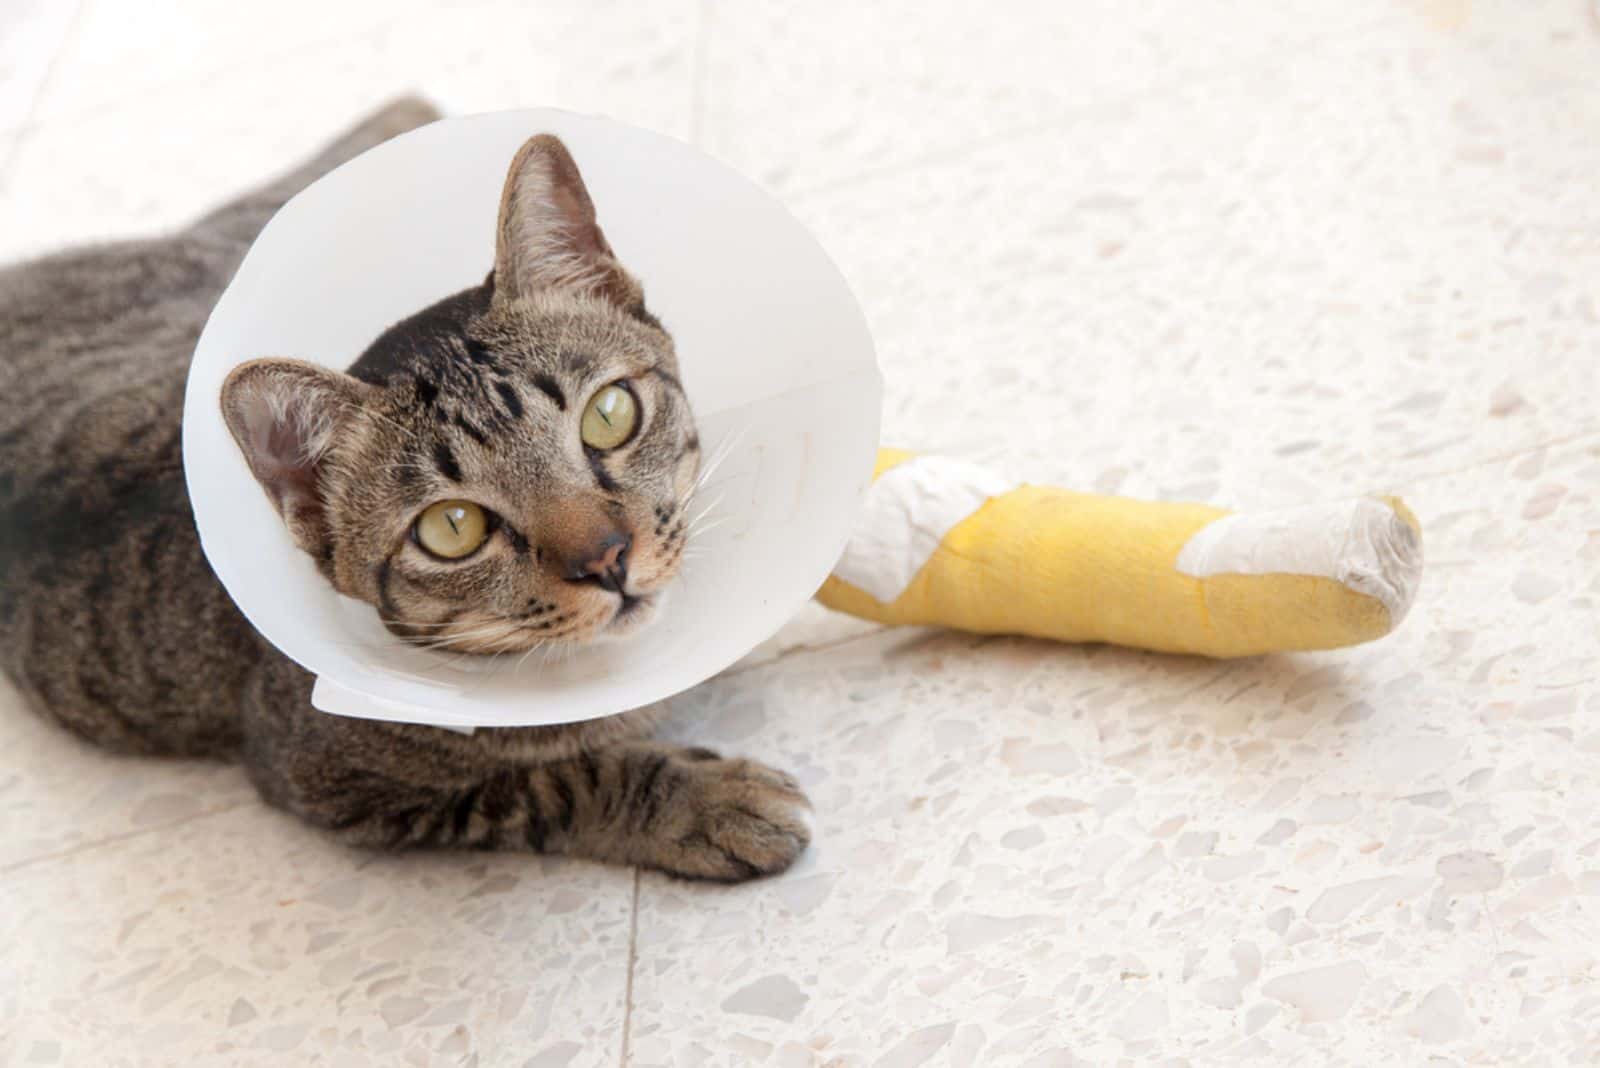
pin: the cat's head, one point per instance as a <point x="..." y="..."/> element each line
<point x="509" y="467"/>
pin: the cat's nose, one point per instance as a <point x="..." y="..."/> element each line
<point x="606" y="564"/>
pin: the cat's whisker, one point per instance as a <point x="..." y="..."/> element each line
<point x="492" y="621"/>
<point x="494" y="658"/>
<point x="484" y="633"/>
<point x="561" y="651"/>
<point x="703" y="483"/>
<point x="704" y="478"/>
<point x="469" y="624"/>
<point x="453" y="657"/>
<point x="375" y="650"/>
<point x="719" y="484"/>
<point x="699" y="523"/>
<point x="535" y="647"/>
<point x="700" y="515"/>
<point x="720" y="456"/>
<point x="450" y="645"/>
<point x="704" y="529"/>
<point x="464" y="632"/>
<point x="497" y="669"/>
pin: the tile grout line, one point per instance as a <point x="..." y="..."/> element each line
<point x="30" y="125"/>
<point x="1583" y="433"/>
<point x="117" y="839"/>
<point x="633" y="961"/>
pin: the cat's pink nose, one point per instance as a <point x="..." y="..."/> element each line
<point x="607" y="564"/>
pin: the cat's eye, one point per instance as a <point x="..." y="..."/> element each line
<point x="452" y="529"/>
<point x="610" y="418"/>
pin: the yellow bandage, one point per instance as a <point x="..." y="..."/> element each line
<point x="1181" y="578"/>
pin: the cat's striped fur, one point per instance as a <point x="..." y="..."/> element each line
<point x="111" y="622"/>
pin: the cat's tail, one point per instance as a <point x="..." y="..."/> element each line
<point x="241" y="220"/>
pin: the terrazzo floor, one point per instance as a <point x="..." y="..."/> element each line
<point x="1245" y="253"/>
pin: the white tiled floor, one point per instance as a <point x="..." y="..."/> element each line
<point x="1249" y="253"/>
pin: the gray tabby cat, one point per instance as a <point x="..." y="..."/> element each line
<point x="505" y="468"/>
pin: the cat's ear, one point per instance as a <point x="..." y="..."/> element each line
<point x="286" y="416"/>
<point x="547" y="238"/>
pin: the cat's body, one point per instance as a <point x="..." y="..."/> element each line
<point x="112" y="624"/>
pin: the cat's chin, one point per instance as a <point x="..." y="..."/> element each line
<point x="634" y="614"/>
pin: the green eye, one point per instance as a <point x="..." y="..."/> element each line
<point x="452" y="529"/>
<point x="610" y="418"/>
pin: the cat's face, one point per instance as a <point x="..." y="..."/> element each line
<point x="510" y="467"/>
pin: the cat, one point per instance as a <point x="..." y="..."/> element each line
<point x="505" y="468"/>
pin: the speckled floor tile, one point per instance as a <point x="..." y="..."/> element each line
<point x="1141" y="286"/>
<point x="815" y="94"/>
<point x="246" y="939"/>
<point x="123" y="50"/>
<point x="1325" y="274"/>
<point x="1031" y="855"/>
<point x="1250" y="254"/>
<point x="31" y="37"/>
<point x="255" y="111"/>
<point x="65" y="796"/>
<point x="32" y="33"/>
<point x="475" y="53"/>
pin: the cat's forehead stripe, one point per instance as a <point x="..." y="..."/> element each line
<point x="427" y="389"/>
<point x="666" y="376"/>
<point x="478" y="354"/>
<point x="508" y="396"/>
<point x="550" y="388"/>
<point x="445" y="460"/>
<point x="471" y="430"/>
<point x="577" y="363"/>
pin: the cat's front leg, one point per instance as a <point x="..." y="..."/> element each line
<point x="687" y="811"/>
<point x="680" y="810"/>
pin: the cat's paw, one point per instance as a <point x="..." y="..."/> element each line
<point x="738" y="819"/>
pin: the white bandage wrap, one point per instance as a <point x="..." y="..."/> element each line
<point x="906" y="514"/>
<point x="1363" y="544"/>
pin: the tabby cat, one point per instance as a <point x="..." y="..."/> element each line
<point x="506" y="468"/>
